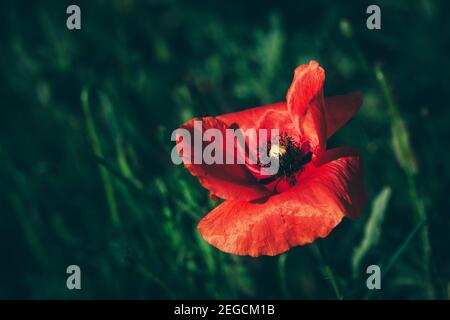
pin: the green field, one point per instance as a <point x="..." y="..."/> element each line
<point x="86" y="119"/>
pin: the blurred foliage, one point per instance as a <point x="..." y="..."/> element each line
<point x="372" y="230"/>
<point x="86" y="119"/>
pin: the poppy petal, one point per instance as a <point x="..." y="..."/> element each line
<point x="226" y="181"/>
<point x="339" y="109"/>
<point x="272" y="116"/>
<point x="298" y="216"/>
<point x="305" y="103"/>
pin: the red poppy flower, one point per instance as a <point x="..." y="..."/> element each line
<point x="314" y="187"/>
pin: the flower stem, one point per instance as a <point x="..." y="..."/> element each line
<point x="328" y="271"/>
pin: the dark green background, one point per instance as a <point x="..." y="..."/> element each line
<point x="147" y="67"/>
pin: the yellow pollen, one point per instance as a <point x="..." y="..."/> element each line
<point x="277" y="151"/>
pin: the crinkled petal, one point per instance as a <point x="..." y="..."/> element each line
<point x="226" y="181"/>
<point x="310" y="210"/>
<point x="305" y="103"/>
<point x="272" y="116"/>
<point x="339" y="109"/>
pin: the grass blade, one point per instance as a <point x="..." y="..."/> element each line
<point x="96" y="146"/>
<point x="372" y="229"/>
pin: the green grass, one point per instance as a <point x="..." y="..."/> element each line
<point x="85" y="126"/>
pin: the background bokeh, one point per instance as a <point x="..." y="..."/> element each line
<point x="85" y="124"/>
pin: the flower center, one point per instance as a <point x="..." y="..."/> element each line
<point x="277" y="151"/>
<point x="292" y="157"/>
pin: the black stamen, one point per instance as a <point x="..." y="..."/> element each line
<point x="291" y="161"/>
